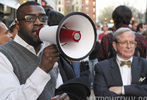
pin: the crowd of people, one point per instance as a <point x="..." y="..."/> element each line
<point x="33" y="70"/>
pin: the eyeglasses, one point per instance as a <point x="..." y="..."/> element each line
<point x="126" y="43"/>
<point x="32" y="18"/>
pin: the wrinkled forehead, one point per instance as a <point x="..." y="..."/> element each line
<point x="127" y="35"/>
<point x="31" y="9"/>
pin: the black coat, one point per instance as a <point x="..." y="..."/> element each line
<point x="107" y="74"/>
<point x="76" y="88"/>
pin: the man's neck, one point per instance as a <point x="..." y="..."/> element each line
<point x="33" y="48"/>
<point x="119" y="57"/>
<point x="37" y="48"/>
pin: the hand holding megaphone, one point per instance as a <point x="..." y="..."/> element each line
<point x="49" y="57"/>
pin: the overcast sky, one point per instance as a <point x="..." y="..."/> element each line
<point x="139" y="4"/>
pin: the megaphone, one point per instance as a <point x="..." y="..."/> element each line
<point x="75" y="36"/>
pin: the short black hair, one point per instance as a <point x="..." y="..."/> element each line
<point x="18" y="13"/>
<point x="1" y="16"/>
<point x="54" y="17"/>
<point x="133" y="22"/>
<point x="121" y="16"/>
<point x="140" y="25"/>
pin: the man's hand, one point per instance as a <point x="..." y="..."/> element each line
<point x="63" y="96"/>
<point x="116" y="89"/>
<point x="49" y="57"/>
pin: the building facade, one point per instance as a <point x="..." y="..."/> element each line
<point x="89" y="7"/>
<point x="86" y="6"/>
<point x="52" y="3"/>
<point x="60" y="6"/>
<point x="8" y="7"/>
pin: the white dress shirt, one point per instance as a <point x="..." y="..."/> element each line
<point x="10" y="88"/>
<point x="125" y="72"/>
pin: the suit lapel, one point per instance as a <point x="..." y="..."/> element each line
<point x="115" y="73"/>
<point x="62" y="72"/>
<point x="65" y="69"/>
<point x="135" y="70"/>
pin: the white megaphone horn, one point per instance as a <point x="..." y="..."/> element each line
<point x="75" y="36"/>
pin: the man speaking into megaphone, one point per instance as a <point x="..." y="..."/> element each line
<point x="30" y="71"/>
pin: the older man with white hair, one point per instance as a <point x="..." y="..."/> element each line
<point x="124" y="74"/>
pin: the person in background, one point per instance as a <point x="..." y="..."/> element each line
<point x="48" y="8"/>
<point x="105" y="31"/>
<point x="5" y="35"/>
<point x="110" y="29"/>
<point x="134" y="26"/>
<point x="145" y="26"/>
<point x="98" y="30"/>
<point x="76" y="66"/>
<point x="93" y="61"/>
<point x="13" y="28"/>
<point x="54" y="16"/>
<point x="121" y="16"/>
<point x="1" y="16"/>
<point x="140" y="28"/>
<point x="29" y="69"/>
<point x="144" y="33"/>
<point x="124" y="74"/>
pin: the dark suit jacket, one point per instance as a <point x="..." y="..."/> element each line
<point x="108" y="74"/>
<point x="76" y="88"/>
<point x="66" y="70"/>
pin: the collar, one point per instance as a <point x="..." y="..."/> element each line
<point x="119" y="59"/>
<point x="125" y="25"/>
<point x="20" y="41"/>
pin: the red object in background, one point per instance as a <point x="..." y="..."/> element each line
<point x="43" y="3"/>
<point x="67" y="35"/>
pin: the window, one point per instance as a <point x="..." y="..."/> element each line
<point x="94" y="3"/>
<point x="87" y="9"/>
<point x="59" y="9"/>
<point x="94" y="9"/>
<point x="94" y="16"/>
<point x="59" y="2"/>
<point x="68" y="1"/>
<point x="87" y="2"/>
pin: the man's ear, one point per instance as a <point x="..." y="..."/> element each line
<point x="114" y="46"/>
<point x="17" y="24"/>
